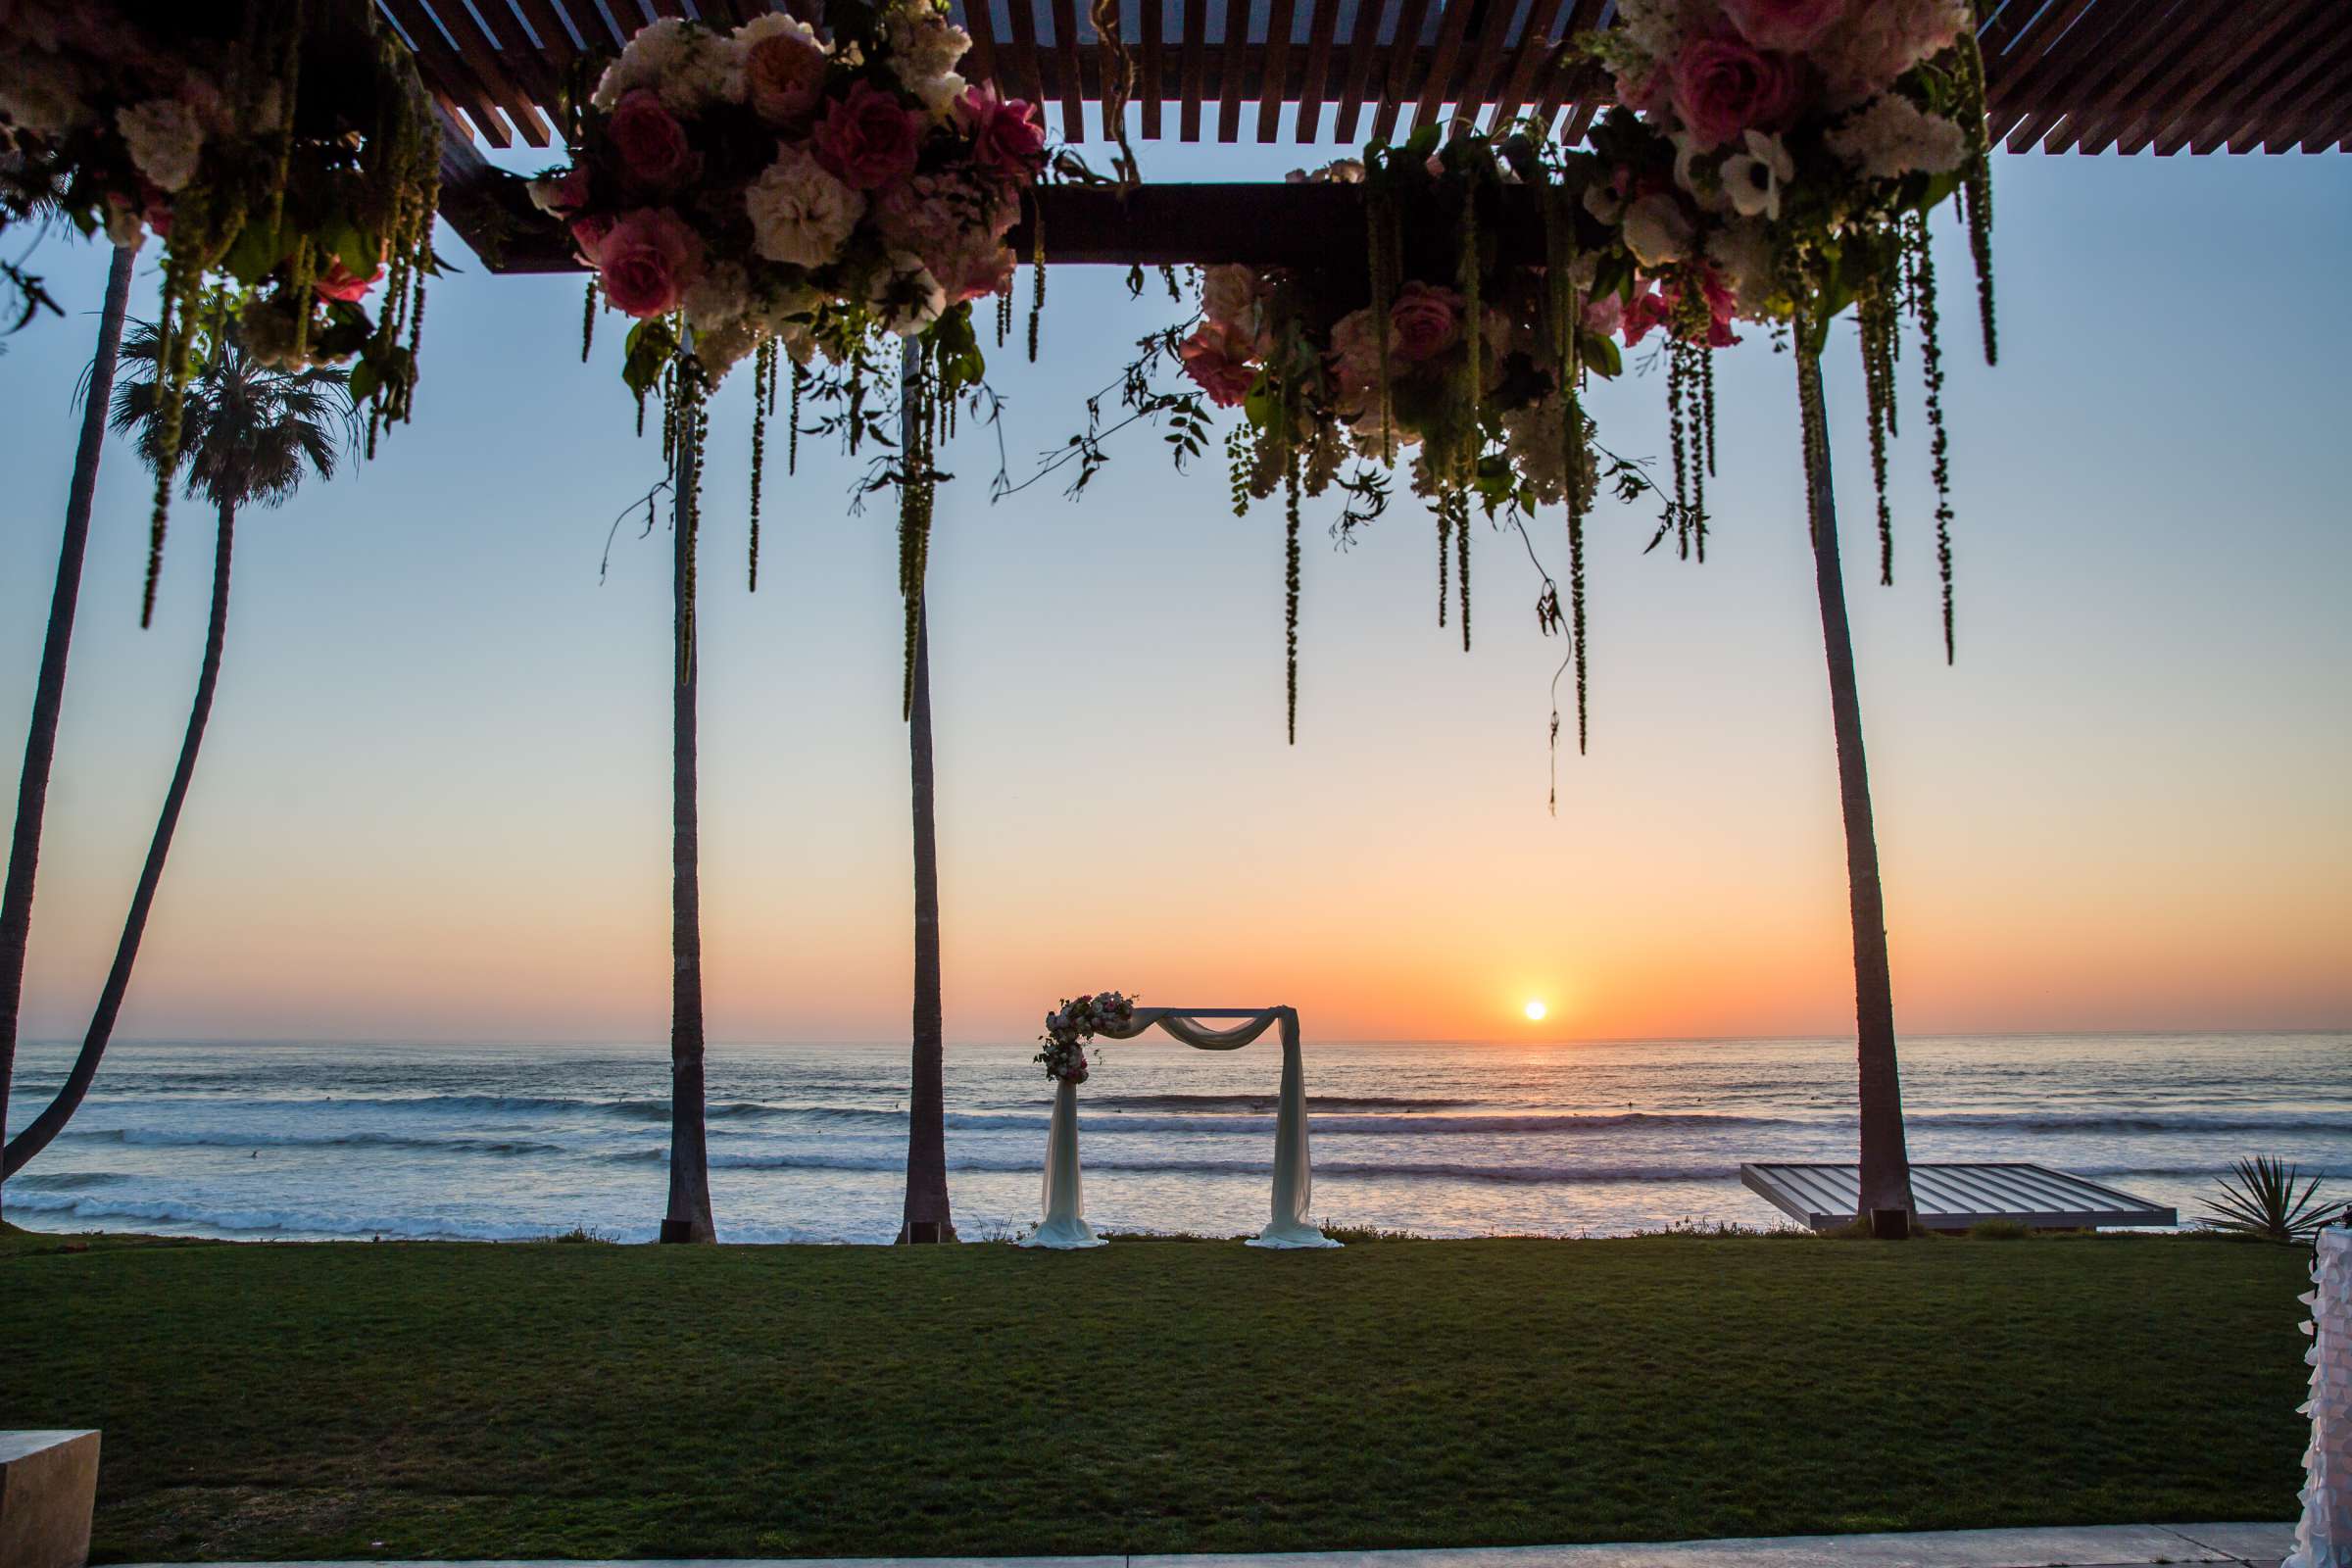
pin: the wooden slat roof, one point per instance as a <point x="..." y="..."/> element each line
<point x="2085" y="76"/>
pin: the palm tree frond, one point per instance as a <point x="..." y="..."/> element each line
<point x="248" y="432"/>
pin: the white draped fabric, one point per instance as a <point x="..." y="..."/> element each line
<point x="2323" y="1538"/>
<point x="1065" y="1224"/>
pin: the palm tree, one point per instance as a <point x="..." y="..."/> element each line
<point x="688" y="1217"/>
<point x="926" y="1217"/>
<point x="49" y="689"/>
<point x="249" y="433"/>
<point x="1885" y="1162"/>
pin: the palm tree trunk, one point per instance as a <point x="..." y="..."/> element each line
<point x="689" y="1217"/>
<point x="49" y="689"/>
<point x="36" y="1135"/>
<point x="927" y="1217"/>
<point x="1885" y="1164"/>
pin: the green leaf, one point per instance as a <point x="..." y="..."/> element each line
<point x="1601" y="356"/>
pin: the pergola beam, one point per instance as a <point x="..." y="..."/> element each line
<point x="1304" y="226"/>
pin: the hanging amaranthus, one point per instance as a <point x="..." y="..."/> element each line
<point x="286" y="153"/>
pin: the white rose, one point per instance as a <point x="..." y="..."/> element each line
<point x="1657" y="231"/>
<point x="800" y="213"/>
<point x="163" y="140"/>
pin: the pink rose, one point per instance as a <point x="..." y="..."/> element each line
<point x="1007" y="139"/>
<point x="1218" y="359"/>
<point x="1424" y="321"/>
<point x="647" y="261"/>
<point x="1722" y="87"/>
<point x="650" y="141"/>
<point x="1791" y="24"/>
<point x="955" y="227"/>
<point x="783" y="76"/>
<point x="867" y="139"/>
<point x="340" y="283"/>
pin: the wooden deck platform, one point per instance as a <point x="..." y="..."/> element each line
<point x="1953" y="1198"/>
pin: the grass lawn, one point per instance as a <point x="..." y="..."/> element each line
<point x="536" y="1401"/>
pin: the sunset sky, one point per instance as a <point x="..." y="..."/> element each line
<point x="433" y="803"/>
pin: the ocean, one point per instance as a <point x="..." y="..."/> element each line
<point x="808" y="1142"/>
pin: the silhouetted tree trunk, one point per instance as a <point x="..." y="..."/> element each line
<point x="49" y="689"/>
<point x="36" y="1134"/>
<point x="926" y="1217"/>
<point x="1885" y="1164"/>
<point x="689" y="1215"/>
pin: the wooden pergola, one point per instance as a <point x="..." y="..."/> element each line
<point x="2078" y="75"/>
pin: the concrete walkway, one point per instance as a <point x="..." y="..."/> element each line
<point x="2252" y="1546"/>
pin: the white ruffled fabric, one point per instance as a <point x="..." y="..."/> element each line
<point x="1065" y="1224"/>
<point x="2323" y="1538"/>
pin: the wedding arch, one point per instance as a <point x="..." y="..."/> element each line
<point x="1063" y="1225"/>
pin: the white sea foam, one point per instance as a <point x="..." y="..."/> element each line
<point x="809" y="1143"/>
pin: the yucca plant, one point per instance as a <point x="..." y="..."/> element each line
<point x="2263" y="1202"/>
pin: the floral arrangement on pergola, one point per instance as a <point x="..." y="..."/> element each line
<point x="286" y="155"/>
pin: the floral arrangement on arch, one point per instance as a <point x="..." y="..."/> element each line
<point x="1071" y="1025"/>
<point x="287" y="156"/>
<point x="1776" y="162"/>
<point x="778" y="193"/>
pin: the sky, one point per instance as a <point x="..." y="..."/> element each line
<point x="434" y="802"/>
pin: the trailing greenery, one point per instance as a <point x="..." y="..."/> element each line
<point x="474" y="1401"/>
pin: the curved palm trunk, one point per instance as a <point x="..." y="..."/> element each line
<point x="927" y="1217"/>
<point x="1885" y="1168"/>
<point x="35" y="1137"/>
<point x="689" y="1215"/>
<point x="49" y="691"/>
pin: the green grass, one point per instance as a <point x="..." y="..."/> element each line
<point x="533" y="1401"/>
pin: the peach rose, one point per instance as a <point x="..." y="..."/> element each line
<point x="1424" y="321"/>
<point x="1218" y="359"/>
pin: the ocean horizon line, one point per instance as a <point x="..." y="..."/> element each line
<point x="485" y="1043"/>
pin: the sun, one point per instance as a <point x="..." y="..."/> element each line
<point x="1536" y="1011"/>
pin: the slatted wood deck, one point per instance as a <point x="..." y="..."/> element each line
<point x="1954" y="1198"/>
<point x="2082" y="75"/>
